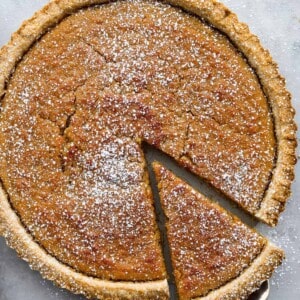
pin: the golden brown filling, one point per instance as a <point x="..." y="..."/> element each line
<point x="84" y="97"/>
<point x="208" y="246"/>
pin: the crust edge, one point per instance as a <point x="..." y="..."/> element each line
<point x="50" y="268"/>
<point x="274" y="88"/>
<point x="224" y="20"/>
<point x="10" y="226"/>
<point x="273" y="84"/>
<point x="252" y="278"/>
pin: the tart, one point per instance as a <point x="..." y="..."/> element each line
<point x="83" y="84"/>
<point x="214" y="255"/>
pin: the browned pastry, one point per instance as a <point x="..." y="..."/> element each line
<point x="82" y="85"/>
<point x="210" y="248"/>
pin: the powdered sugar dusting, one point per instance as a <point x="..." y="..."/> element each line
<point x="209" y="247"/>
<point x="84" y="97"/>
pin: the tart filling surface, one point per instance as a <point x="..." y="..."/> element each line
<point x="84" y="85"/>
<point x="209" y="247"/>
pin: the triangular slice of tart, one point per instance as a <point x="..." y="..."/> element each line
<point x="214" y="254"/>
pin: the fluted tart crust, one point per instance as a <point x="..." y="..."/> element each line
<point x="82" y="85"/>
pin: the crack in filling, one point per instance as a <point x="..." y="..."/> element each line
<point x="142" y="72"/>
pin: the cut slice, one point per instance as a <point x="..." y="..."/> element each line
<point x="214" y="255"/>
